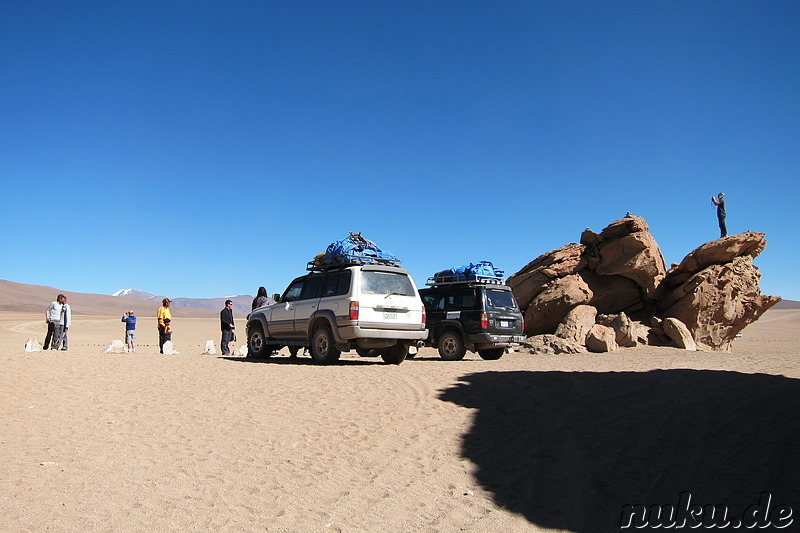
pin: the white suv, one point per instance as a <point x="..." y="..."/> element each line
<point x="374" y="309"/>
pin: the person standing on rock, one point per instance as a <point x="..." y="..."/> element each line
<point x="226" y="323"/>
<point x="719" y="201"/>
<point x="164" y="317"/>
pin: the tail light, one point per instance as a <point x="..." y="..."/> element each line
<point x="424" y="318"/>
<point x="353" y="310"/>
<point x="484" y="321"/>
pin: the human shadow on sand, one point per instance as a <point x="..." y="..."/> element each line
<point x="568" y="450"/>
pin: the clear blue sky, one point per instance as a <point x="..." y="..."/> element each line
<point x="201" y="149"/>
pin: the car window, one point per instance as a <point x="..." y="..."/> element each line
<point x="292" y="294"/>
<point x="500" y="299"/>
<point x="373" y="282"/>
<point x="461" y="299"/>
<point x="312" y="287"/>
<point x="337" y="283"/>
<point x="433" y="301"/>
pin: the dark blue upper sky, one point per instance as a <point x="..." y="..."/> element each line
<point x="205" y="148"/>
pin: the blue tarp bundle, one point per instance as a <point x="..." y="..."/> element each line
<point x="469" y="272"/>
<point x="357" y="249"/>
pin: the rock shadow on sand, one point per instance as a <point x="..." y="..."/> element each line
<point x="568" y="450"/>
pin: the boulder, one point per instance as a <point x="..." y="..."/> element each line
<point x="718" y="302"/>
<point x="577" y="323"/>
<point x="601" y="339"/>
<point x="534" y="277"/>
<point x="548" y="309"/>
<point x="552" y="344"/>
<point x="625" y="330"/>
<point x="628" y="249"/>
<point x="717" y="252"/>
<point x="679" y="334"/>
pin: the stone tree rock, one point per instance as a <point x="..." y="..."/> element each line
<point x="621" y="273"/>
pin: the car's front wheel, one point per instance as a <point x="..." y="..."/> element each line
<point x="451" y="347"/>
<point x="257" y="344"/>
<point x="323" y="347"/>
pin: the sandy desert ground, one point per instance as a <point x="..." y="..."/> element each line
<point x="134" y="442"/>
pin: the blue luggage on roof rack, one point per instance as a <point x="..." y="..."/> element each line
<point x="480" y="271"/>
<point x="353" y="250"/>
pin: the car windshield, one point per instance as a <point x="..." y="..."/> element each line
<point x="495" y="298"/>
<point x="373" y="282"/>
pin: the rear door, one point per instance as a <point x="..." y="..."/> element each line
<point x="388" y="300"/>
<point x="504" y="315"/>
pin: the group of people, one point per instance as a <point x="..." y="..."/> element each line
<point x="59" y="317"/>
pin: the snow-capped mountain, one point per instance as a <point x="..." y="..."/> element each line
<point x="135" y="293"/>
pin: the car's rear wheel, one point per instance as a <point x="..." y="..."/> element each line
<point x="368" y="352"/>
<point x="395" y="354"/>
<point x="257" y="344"/>
<point x="491" y="354"/>
<point x="323" y="347"/>
<point x="451" y="346"/>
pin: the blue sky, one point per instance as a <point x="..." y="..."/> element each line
<point x="202" y="149"/>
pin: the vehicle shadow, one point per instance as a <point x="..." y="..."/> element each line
<point x="285" y="360"/>
<point x="568" y="450"/>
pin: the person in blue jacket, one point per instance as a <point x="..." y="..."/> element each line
<point x="130" y="331"/>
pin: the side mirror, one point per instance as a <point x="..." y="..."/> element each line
<point x="276" y="297"/>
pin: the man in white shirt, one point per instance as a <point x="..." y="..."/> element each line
<point x="51" y="316"/>
<point x="62" y="326"/>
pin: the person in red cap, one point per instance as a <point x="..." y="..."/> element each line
<point x="162" y="315"/>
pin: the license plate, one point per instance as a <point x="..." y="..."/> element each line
<point x="389" y="315"/>
<point x="505" y="323"/>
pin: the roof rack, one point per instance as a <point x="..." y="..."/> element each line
<point x="460" y="279"/>
<point x="353" y="259"/>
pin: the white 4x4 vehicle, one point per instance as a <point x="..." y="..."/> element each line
<point x="374" y="309"/>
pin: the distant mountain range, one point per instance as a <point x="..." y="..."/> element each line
<point x="241" y="302"/>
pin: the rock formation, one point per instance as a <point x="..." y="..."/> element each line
<point x="620" y="273"/>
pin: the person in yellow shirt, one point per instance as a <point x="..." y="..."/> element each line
<point x="162" y="315"/>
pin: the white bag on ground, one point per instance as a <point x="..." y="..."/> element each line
<point x="210" y="350"/>
<point x="169" y="350"/>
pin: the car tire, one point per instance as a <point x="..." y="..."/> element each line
<point x="323" y="347"/>
<point x="395" y="355"/>
<point x="368" y="352"/>
<point x="492" y="354"/>
<point x="257" y="343"/>
<point x="451" y="346"/>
